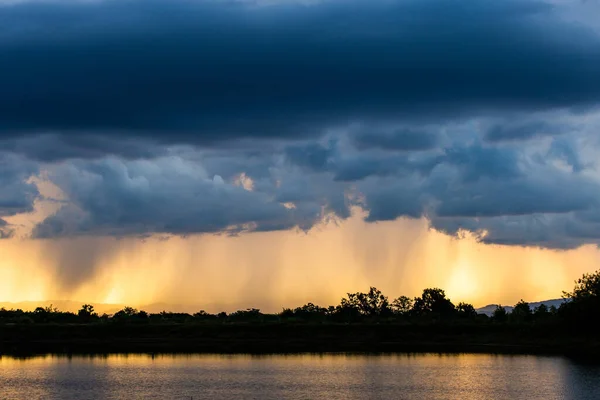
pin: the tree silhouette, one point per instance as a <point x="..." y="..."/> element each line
<point x="499" y="314"/>
<point x="308" y="312"/>
<point x="588" y="286"/>
<point x="466" y="310"/>
<point x="204" y="316"/>
<point x="248" y="315"/>
<point x="373" y="303"/>
<point x="87" y="312"/>
<point x="582" y="306"/>
<point x="521" y="312"/>
<point x="126" y="312"/>
<point x="433" y="301"/>
<point x="130" y="314"/>
<point x="541" y="311"/>
<point x="402" y="305"/>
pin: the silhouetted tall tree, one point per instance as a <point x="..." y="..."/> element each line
<point x="86" y="313"/>
<point x="521" y="312"/>
<point x="248" y="315"/>
<point x="588" y="286"/>
<point x="373" y="303"/>
<point x="499" y="314"/>
<point x="466" y="310"/>
<point x="433" y="301"/>
<point x="582" y="305"/>
<point x="402" y="305"/>
<point x="130" y="314"/>
<point x="541" y="311"/>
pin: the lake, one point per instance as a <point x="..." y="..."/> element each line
<point x="329" y="376"/>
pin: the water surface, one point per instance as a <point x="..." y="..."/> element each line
<point x="403" y="376"/>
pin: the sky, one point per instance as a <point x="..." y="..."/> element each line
<point x="242" y="153"/>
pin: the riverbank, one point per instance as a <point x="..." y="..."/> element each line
<point x="292" y="338"/>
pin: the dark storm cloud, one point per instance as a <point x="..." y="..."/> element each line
<point x="130" y="109"/>
<point x="204" y="71"/>
<point x="359" y="167"/>
<point x="313" y="156"/>
<point x="472" y="161"/>
<point x="167" y="195"/>
<point x="351" y="164"/>
<point x="560" y="194"/>
<point x="387" y="199"/>
<point x="476" y="161"/>
<point x="57" y="147"/>
<point x="6" y="231"/>
<point x="565" y="150"/>
<point x="400" y="140"/>
<point x="523" y="131"/>
<point x="513" y="198"/>
<point x="316" y="158"/>
<point x="513" y="194"/>
<point x="16" y="193"/>
<point x="558" y="231"/>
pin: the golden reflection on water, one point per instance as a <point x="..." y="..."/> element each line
<point x="298" y="376"/>
<point x="325" y="359"/>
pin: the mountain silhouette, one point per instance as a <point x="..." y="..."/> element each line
<point x="489" y="309"/>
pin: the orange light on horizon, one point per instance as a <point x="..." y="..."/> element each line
<point x="271" y="270"/>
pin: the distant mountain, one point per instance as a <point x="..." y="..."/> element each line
<point x="489" y="309"/>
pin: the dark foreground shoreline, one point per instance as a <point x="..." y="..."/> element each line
<point x="23" y="340"/>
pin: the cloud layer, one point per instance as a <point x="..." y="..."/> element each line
<point x="189" y="117"/>
<point x="208" y="71"/>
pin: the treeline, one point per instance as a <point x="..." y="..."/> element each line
<point x="580" y="309"/>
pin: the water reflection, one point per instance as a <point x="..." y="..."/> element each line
<point x="345" y="376"/>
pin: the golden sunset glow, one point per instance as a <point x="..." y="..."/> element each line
<point x="284" y="269"/>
